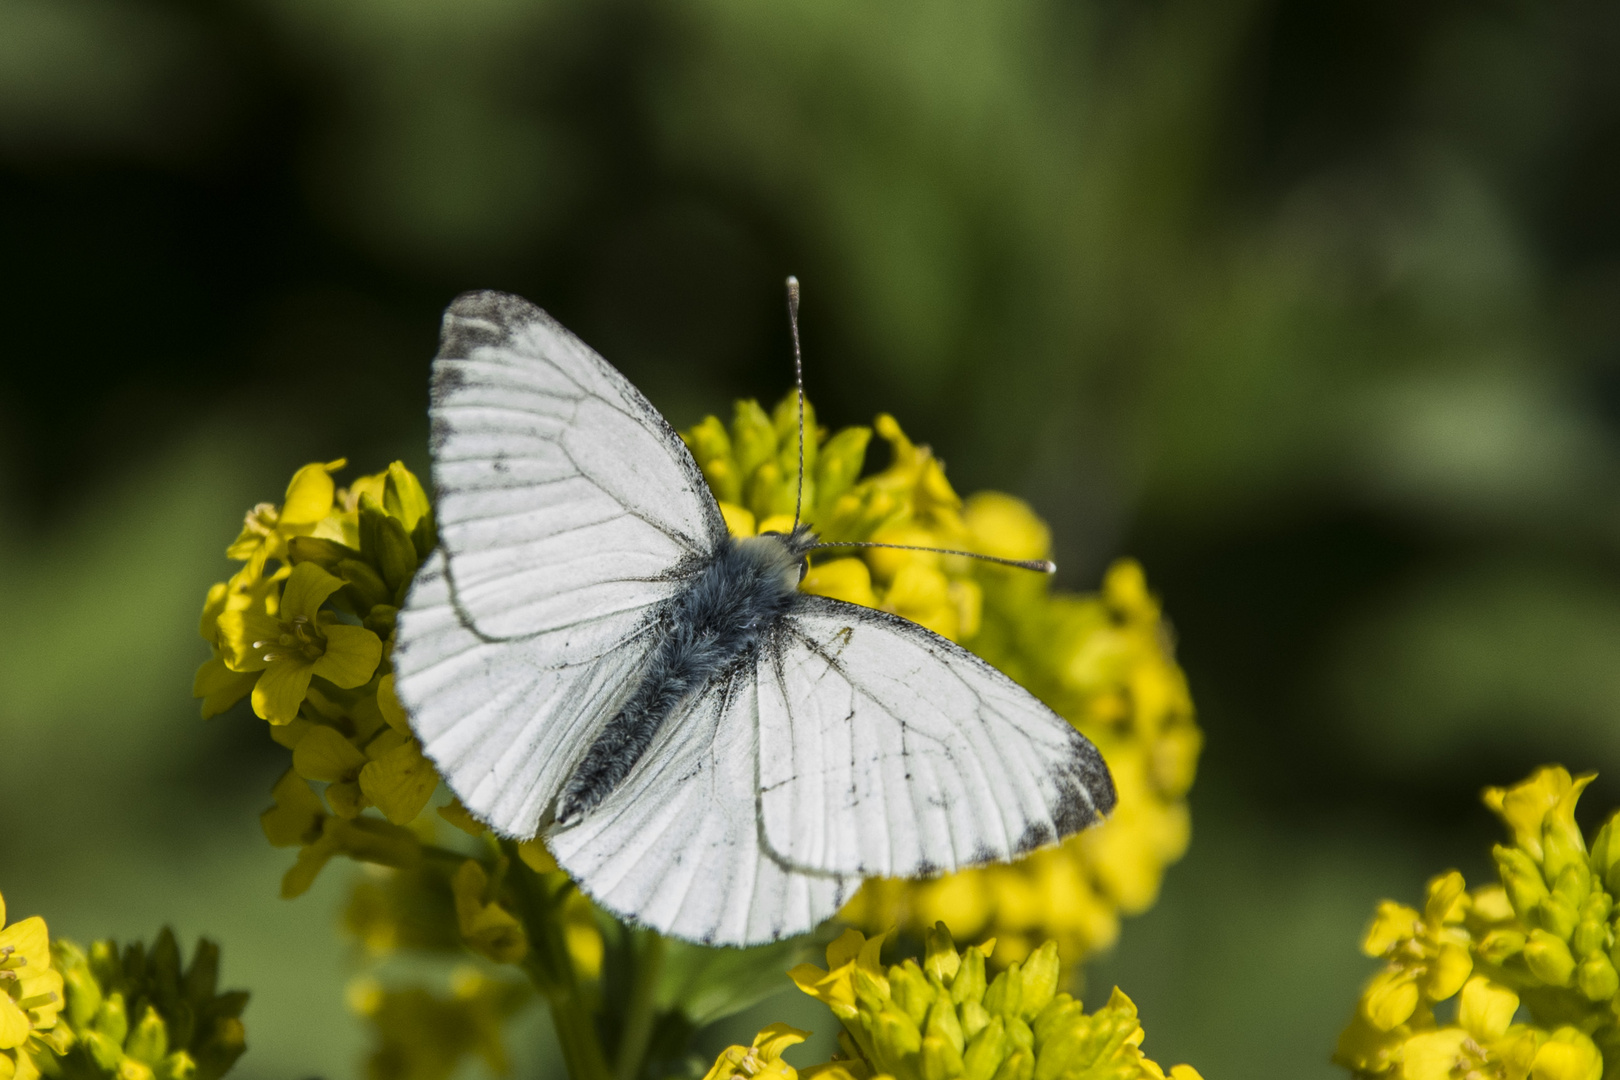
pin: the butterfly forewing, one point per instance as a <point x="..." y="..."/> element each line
<point x="562" y="494"/>
<point x="890" y="751"/>
<point x="567" y="509"/>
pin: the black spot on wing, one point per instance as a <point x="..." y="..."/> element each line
<point x="439" y="432"/>
<point x="926" y="869"/>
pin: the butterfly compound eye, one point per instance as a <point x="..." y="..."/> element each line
<point x="804" y="568"/>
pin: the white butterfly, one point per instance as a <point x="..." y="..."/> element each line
<point x="711" y="752"/>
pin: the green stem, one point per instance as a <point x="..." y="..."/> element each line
<point x="576" y="1032"/>
<point x="540" y="899"/>
<point x="640" y="1013"/>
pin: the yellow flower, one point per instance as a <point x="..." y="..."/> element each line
<point x="1483" y="1042"/>
<point x="215" y="682"/>
<point x="762" y="1058"/>
<point x="1427" y="955"/>
<point x="30" y="998"/>
<point x="267" y="528"/>
<point x="944" y="1020"/>
<point x="296" y="644"/>
<point x="1104" y="662"/>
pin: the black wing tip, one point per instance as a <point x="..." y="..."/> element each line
<point x="1086" y="792"/>
<point x="483" y="317"/>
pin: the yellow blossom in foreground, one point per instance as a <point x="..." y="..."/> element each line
<point x="1541" y="944"/>
<point x="30" y="999"/>
<point x="139" y="1013"/>
<point x="763" y="1058"/>
<point x="945" y="1019"/>
<point x="1102" y="661"/>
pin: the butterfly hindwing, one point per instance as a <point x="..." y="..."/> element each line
<point x="676" y="845"/>
<point x="504" y="720"/>
<point x="889" y="751"/>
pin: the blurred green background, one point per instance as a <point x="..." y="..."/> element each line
<point x="1311" y="305"/>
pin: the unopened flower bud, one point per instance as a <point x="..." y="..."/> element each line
<point x="1522" y="879"/>
<point x="1557" y="915"/>
<point x="1597" y="979"/>
<point x="149" y="1042"/>
<point x="1549" y="958"/>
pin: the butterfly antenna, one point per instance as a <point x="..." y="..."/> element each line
<point x="798" y="383"/>
<point x="1043" y="566"/>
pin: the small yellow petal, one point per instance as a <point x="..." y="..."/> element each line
<point x="309" y="495"/>
<point x="1448" y="972"/>
<point x="295" y="817"/>
<point x="1392" y="924"/>
<point x="845" y="948"/>
<point x="324" y="754"/>
<point x="14" y="1025"/>
<point x="400" y="782"/>
<point x="1390" y="1000"/>
<point x="775" y="1038"/>
<point x="1432" y="1055"/>
<point x="220" y="687"/>
<point x="351" y="657"/>
<point x="1485" y="1010"/>
<point x="306" y="590"/>
<point x="388" y="704"/>
<point x="28" y="940"/>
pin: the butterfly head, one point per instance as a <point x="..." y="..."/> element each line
<point x="790" y="549"/>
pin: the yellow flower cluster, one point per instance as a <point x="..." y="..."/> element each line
<point x="305" y="629"/>
<point x="1102" y="661"/>
<point x="427" y="1036"/>
<point x="305" y="638"/>
<point x="130" y="1015"/>
<point x="945" y="1019"/>
<point x="140" y="1014"/>
<point x="1541" y="944"/>
<point x="30" y="999"/>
